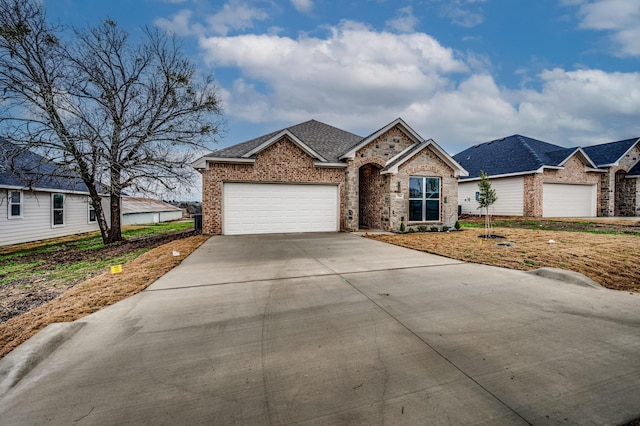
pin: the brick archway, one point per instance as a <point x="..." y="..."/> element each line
<point x="370" y="196"/>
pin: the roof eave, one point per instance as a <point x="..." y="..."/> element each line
<point x="203" y="163"/>
<point x="506" y="175"/>
<point x="52" y="190"/>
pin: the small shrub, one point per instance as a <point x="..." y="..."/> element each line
<point x="402" y="227"/>
<point x="410" y="230"/>
<point x="445" y="228"/>
<point x="457" y="226"/>
<point x="434" y="229"/>
<point x="422" y="228"/>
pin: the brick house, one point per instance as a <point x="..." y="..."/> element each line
<point x="538" y="179"/>
<point x="531" y="178"/>
<point x="620" y="185"/>
<point x="315" y="177"/>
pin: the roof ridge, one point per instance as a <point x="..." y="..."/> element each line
<point x="528" y="147"/>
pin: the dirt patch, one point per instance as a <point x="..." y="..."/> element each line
<point x="611" y="260"/>
<point x="100" y="291"/>
<point x="19" y="295"/>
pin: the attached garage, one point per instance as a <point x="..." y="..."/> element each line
<point x="565" y="200"/>
<point x="267" y="208"/>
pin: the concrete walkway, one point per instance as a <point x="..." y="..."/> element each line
<point x="335" y="329"/>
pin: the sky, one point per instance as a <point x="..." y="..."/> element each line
<point x="460" y="72"/>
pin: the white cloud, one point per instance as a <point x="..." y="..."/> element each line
<point x="235" y="15"/>
<point x="619" y="17"/>
<point x="405" y="22"/>
<point x="357" y="78"/>
<point x="179" y="23"/>
<point x="303" y="6"/>
<point x="465" y="13"/>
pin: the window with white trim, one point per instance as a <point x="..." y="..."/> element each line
<point x="15" y="204"/>
<point x="57" y="209"/>
<point x="424" y="199"/>
<point x="92" y="212"/>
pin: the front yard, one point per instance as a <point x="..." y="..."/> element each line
<point x="610" y="258"/>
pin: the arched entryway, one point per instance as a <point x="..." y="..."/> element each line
<point x="370" y="197"/>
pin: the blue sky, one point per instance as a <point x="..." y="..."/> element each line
<point x="461" y="71"/>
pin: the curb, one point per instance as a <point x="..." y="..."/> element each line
<point x="569" y="277"/>
<point x="19" y="362"/>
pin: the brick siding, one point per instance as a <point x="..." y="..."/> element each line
<point x="572" y="173"/>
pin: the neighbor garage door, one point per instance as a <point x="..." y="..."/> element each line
<point x="562" y="200"/>
<point x="265" y="208"/>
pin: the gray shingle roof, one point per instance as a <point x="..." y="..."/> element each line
<point x="328" y="141"/>
<point x="609" y="153"/>
<point x="25" y="169"/>
<point x="511" y="155"/>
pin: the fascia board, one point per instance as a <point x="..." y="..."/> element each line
<point x="505" y="175"/>
<point x="203" y="163"/>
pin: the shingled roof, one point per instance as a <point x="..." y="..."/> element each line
<point x="514" y="154"/>
<point x="608" y="154"/>
<point x="21" y="169"/>
<point x="328" y="141"/>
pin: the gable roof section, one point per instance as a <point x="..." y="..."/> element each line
<point x="22" y="169"/>
<point x="321" y="141"/>
<point x="394" y="163"/>
<point x="634" y="172"/>
<point x="516" y="155"/>
<point x="609" y="154"/>
<point x="411" y="134"/>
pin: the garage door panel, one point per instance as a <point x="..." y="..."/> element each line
<point x="565" y="200"/>
<point x="250" y="208"/>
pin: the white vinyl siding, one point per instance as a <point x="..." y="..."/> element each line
<point x="150" y="217"/>
<point x="36" y="222"/>
<point x="510" y="193"/>
<point x="250" y="208"/>
<point x="564" y="200"/>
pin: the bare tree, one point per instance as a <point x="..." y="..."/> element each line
<point x="123" y="115"/>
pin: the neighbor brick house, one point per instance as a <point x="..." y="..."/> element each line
<point x="620" y="186"/>
<point x="532" y="178"/>
<point x="538" y="179"/>
<point x="316" y="177"/>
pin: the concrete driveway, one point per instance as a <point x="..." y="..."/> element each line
<point x="335" y="329"/>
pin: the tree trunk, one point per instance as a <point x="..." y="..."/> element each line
<point x="115" y="231"/>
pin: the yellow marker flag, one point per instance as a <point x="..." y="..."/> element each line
<point x="116" y="269"/>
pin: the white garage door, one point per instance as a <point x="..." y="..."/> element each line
<point x="562" y="200"/>
<point x="265" y="208"/>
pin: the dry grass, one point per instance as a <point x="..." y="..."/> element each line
<point x="97" y="292"/>
<point x="611" y="260"/>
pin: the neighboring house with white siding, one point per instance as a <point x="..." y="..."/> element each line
<point x="531" y="178"/>
<point x="141" y="211"/>
<point x="38" y="202"/>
